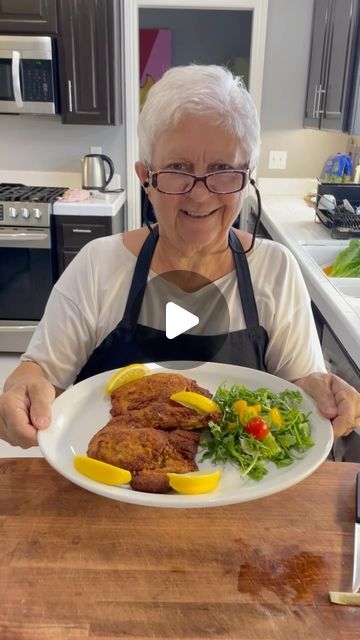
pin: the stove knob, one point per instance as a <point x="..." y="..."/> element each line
<point x="13" y="212"/>
<point x="25" y="213"/>
<point x="37" y="213"/>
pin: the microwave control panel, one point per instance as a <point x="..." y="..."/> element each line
<point x="37" y="80"/>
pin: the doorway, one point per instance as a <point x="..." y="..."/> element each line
<point x="232" y="34"/>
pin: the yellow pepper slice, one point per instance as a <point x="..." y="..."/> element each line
<point x="276" y="417"/>
<point x="246" y="411"/>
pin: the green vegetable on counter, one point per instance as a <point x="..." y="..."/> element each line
<point x="241" y="438"/>
<point x="347" y="263"/>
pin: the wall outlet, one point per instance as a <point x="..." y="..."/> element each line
<point x="95" y="150"/>
<point x="277" y="159"/>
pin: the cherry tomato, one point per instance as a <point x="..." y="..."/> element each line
<point x="257" y="428"/>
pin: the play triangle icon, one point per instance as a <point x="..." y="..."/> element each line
<point x="178" y="320"/>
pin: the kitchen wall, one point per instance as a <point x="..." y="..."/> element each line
<point x="43" y="143"/>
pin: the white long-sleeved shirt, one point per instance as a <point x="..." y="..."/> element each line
<point x="88" y="301"/>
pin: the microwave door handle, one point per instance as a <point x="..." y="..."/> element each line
<point x="15" y="70"/>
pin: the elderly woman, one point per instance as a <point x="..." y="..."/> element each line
<point x="199" y="142"/>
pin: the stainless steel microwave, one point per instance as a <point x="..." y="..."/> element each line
<point x="28" y="75"/>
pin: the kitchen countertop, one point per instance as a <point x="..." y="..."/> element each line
<point x="77" y="565"/>
<point x="97" y="204"/>
<point x="290" y="220"/>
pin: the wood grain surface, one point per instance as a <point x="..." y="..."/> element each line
<point x="75" y="565"/>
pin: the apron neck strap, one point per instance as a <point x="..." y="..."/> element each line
<point x="244" y="281"/>
<point x="139" y="280"/>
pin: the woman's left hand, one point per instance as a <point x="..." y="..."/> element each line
<point x="336" y="400"/>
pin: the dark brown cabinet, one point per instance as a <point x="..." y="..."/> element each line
<point x="333" y="65"/>
<point x="73" y="233"/>
<point x="28" y="16"/>
<point x="90" y="57"/>
<point x="88" y="47"/>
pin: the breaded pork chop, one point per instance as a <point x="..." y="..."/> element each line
<point x="163" y="414"/>
<point x="148" y="453"/>
<point x="183" y="440"/>
<point x="151" y="388"/>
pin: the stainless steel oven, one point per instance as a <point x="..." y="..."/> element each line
<point x="27" y="262"/>
<point x="28" y="79"/>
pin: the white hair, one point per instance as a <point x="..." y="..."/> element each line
<point x="202" y="90"/>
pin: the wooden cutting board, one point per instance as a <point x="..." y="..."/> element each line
<point x="74" y="565"/>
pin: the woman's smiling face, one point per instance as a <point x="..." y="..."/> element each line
<point x="198" y="218"/>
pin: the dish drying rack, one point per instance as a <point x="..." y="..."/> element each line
<point x="342" y="223"/>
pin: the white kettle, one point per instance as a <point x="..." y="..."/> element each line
<point x="93" y="172"/>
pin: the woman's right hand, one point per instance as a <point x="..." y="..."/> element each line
<point x="25" y="405"/>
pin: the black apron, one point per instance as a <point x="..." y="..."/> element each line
<point x="122" y="346"/>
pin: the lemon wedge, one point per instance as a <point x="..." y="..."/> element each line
<point x="101" y="471"/>
<point x="195" y="401"/>
<point x="194" y="482"/>
<point x="126" y="374"/>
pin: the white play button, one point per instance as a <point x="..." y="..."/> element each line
<point x="176" y="325"/>
<point x="178" y="320"/>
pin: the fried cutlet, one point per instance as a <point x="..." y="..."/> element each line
<point x="152" y="388"/>
<point x="148" y="401"/>
<point x="186" y="441"/>
<point x="148" y="453"/>
<point x="164" y="414"/>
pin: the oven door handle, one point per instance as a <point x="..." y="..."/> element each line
<point x="29" y="239"/>
<point x="15" y="71"/>
<point x="24" y="236"/>
<point x="18" y="328"/>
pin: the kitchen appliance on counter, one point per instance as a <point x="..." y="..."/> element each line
<point x="338" y="209"/>
<point x="28" y="82"/>
<point x="27" y="260"/>
<point x="93" y="171"/>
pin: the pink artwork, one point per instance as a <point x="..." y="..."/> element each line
<point x="155" y="57"/>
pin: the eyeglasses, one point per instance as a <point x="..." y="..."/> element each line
<point x="178" y="182"/>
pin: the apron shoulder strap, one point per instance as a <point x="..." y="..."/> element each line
<point x="139" y="279"/>
<point x="244" y="281"/>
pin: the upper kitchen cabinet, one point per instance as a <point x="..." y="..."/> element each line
<point x="28" y="16"/>
<point x="90" y="57"/>
<point x="333" y="65"/>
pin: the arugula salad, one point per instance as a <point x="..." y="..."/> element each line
<point x="257" y="425"/>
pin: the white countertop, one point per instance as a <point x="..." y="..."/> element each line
<point x="290" y="220"/>
<point x="100" y="204"/>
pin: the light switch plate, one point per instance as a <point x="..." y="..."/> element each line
<point x="277" y="159"/>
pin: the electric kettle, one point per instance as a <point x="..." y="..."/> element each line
<point x="93" y="172"/>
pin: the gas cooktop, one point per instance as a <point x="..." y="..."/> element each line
<point x="10" y="192"/>
<point x="21" y="205"/>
